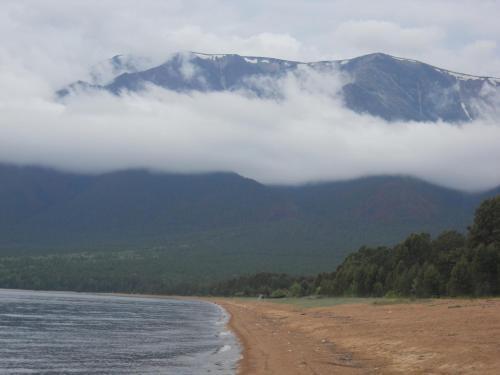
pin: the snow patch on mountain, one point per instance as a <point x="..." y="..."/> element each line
<point x="251" y="60"/>
<point x="207" y="56"/>
<point x="378" y="84"/>
<point x="465" y="110"/>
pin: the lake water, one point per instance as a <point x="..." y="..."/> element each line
<point x="74" y="333"/>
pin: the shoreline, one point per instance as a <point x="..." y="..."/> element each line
<point x="239" y="338"/>
<point x="242" y="342"/>
<point x="268" y="347"/>
<point x="446" y="336"/>
<point x="358" y="336"/>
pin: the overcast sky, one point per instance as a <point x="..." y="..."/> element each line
<point x="46" y="44"/>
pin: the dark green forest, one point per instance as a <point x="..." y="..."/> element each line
<point x="451" y="264"/>
<point x="138" y="230"/>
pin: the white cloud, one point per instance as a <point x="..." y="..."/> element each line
<point x="61" y="39"/>
<point x="382" y="36"/>
<point x="193" y="38"/>
<point x="308" y="136"/>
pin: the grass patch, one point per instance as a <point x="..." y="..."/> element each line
<point x="313" y="302"/>
<point x="308" y="302"/>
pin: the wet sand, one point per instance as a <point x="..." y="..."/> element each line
<point x="436" y="336"/>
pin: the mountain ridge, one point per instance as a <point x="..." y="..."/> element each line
<point x="340" y="61"/>
<point x="385" y="86"/>
<point x="42" y="210"/>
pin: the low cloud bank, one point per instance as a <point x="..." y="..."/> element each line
<point x="306" y="136"/>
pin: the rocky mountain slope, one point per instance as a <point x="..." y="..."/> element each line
<point x="377" y="84"/>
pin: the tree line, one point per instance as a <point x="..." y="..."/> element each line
<point x="452" y="264"/>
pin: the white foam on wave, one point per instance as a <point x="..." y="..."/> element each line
<point x="230" y="347"/>
<point x="225" y="348"/>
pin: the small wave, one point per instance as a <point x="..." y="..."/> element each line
<point x="225" y="348"/>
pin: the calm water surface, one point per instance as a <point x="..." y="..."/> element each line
<point x="73" y="333"/>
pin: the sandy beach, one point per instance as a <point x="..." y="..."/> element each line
<point x="435" y="336"/>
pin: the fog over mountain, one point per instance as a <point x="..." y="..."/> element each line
<point x="298" y="127"/>
<point x="384" y="86"/>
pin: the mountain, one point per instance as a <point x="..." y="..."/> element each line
<point x="218" y="220"/>
<point x="377" y="84"/>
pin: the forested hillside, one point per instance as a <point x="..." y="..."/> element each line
<point x="449" y="265"/>
<point x="45" y="211"/>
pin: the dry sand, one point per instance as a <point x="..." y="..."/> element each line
<point x="437" y="336"/>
